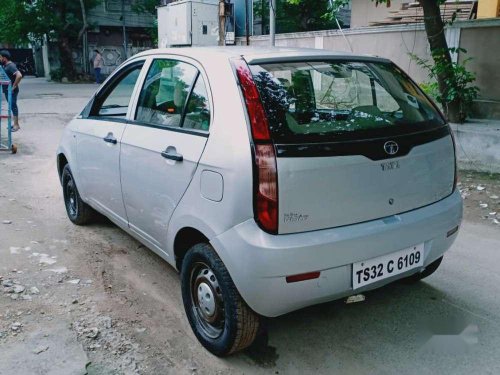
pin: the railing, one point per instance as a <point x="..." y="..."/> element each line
<point x="6" y="113"/>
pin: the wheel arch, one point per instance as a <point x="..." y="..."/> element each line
<point x="61" y="163"/>
<point x="186" y="238"/>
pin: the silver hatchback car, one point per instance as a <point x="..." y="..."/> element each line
<point x="272" y="179"/>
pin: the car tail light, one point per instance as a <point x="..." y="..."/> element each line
<point x="266" y="176"/>
<point x="256" y="113"/>
<point x="267" y="187"/>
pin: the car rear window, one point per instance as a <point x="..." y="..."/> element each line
<point x="333" y="100"/>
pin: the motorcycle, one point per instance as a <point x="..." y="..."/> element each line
<point x="27" y="68"/>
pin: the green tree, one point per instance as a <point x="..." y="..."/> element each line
<point x="13" y="29"/>
<point x="61" y="21"/>
<point x="145" y="6"/>
<point x="297" y="15"/>
<point x="148" y="7"/>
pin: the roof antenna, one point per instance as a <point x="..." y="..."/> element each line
<point x="335" y="10"/>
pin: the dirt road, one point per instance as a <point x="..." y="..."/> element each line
<point x="92" y="299"/>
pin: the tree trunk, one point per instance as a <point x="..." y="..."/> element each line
<point x="82" y="37"/>
<point x="66" y="58"/>
<point x="84" y="19"/>
<point x="64" y="46"/>
<point x="434" y="28"/>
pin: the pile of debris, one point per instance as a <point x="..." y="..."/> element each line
<point x="16" y="290"/>
<point x="481" y="200"/>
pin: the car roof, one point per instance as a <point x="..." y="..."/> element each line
<point x="258" y="55"/>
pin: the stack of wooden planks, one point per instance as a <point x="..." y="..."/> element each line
<point x="413" y="13"/>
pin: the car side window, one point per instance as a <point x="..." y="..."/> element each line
<point x="197" y="109"/>
<point x="163" y="96"/>
<point x="115" y="100"/>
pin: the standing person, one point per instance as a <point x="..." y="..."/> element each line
<point x="15" y="76"/>
<point x="98" y="65"/>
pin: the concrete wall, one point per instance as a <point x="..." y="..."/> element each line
<point x="480" y="37"/>
<point x="395" y="46"/>
<point x="394" y="43"/>
<point x="483" y="46"/>
<point x="478" y="146"/>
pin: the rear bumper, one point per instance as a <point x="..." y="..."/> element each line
<point x="259" y="262"/>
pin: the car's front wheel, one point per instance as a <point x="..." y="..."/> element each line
<point x="78" y="211"/>
<point x="219" y="317"/>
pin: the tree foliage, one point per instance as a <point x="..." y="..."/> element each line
<point x="145" y="6"/>
<point x="148" y="7"/>
<point x="29" y="20"/>
<point x="460" y="84"/>
<point x="61" y="21"/>
<point x="297" y="15"/>
<point x="13" y="27"/>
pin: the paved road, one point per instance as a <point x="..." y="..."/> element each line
<point x="449" y="324"/>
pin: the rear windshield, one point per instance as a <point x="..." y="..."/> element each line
<point x="330" y="101"/>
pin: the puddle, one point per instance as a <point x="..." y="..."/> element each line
<point x="54" y="95"/>
<point x="262" y="353"/>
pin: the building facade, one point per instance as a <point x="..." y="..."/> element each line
<point x="115" y="29"/>
<point x="118" y="32"/>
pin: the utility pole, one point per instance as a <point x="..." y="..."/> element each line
<point x="124" y="32"/>
<point x="262" y="18"/>
<point x="83" y="35"/>
<point x="222" y="22"/>
<point x="272" y="22"/>
<point x="247" y="28"/>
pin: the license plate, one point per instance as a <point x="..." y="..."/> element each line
<point x="376" y="269"/>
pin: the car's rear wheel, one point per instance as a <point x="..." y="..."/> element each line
<point x="429" y="270"/>
<point x="78" y="211"/>
<point x="219" y="317"/>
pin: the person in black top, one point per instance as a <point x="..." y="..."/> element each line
<point x="15" y="76"/>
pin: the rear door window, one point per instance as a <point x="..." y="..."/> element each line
<point x="322" y="101"/>
<point x="197" y="109"/>
<point x="166" y="89"/>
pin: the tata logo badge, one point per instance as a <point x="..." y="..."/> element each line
<point x="391" y="148"/>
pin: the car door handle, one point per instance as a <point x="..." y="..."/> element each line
<point x="110" y="139"/>
<point x="171" y="153"/>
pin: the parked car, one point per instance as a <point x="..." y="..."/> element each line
<point x="272" y="179"/>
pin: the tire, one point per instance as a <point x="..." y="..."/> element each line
<point x="429" y="270"/>
<point x="223" y="323"/>
<point x="78" y="211"/>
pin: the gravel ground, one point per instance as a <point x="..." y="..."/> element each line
<point x="481" y="194"/>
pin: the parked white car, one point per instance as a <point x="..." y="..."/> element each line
<point x="272" y="179"/>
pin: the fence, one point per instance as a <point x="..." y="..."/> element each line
<point x="6" y="114"/>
